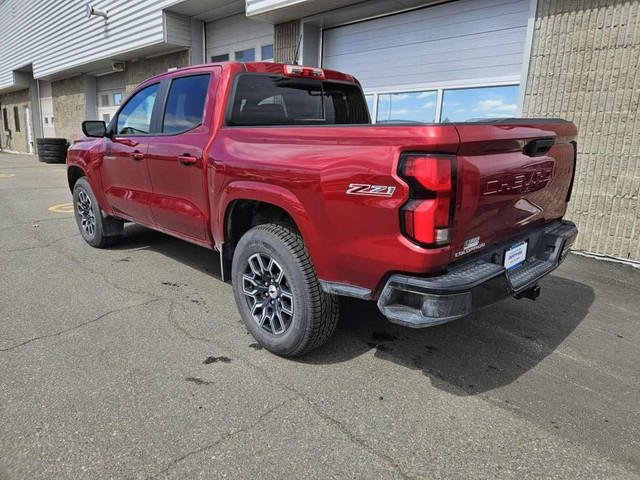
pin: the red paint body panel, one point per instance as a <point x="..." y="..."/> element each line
<point x="501" y="190"/>
<point x="307" y="170"/>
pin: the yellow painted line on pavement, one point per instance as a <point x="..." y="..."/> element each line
<point x="7" y="175"/>
<point x="62" y="208"/>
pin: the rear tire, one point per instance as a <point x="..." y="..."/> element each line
<point x="93" y="225"/>
<point x="278" y="293"/>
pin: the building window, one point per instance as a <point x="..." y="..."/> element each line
<point x="5" y="119"/>
<point x="135" y="116"/>
<point x="220" y="58"/>
<point x="409" y="106"/>
<point x="16" y="118"/>
<point x="469" y="104"/>
<point x="185" y="104"/>
<point x="104" y="100"/>
<point x="267" y="53"/>
<point x="46" y="120"/>
<point x="117" y="99"/>
<point x="248" y="55"/>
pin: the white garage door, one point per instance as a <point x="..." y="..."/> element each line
<point x="429" y="64"/>
<point x="238" y="38"/>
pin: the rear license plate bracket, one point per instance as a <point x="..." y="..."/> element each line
<point x="515" y="255"/>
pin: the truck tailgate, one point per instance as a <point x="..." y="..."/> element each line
<point x="510" y="177"/>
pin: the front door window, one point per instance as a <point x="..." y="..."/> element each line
<point x="135" y="116"/>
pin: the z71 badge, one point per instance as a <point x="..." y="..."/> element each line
<point x="374" y="190"/>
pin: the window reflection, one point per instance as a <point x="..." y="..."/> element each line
<point x="246" y="55"/>
<point x="403" y="107"/>
<point x="469" y="104"/>
<point x="267" y="53"/>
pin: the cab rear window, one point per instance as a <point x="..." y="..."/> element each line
<point x="276" y="100"/>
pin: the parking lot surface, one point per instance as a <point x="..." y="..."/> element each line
<point x="132" y="362"/>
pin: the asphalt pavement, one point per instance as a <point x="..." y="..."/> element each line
<point x="132" y="362"/>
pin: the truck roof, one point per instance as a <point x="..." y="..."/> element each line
<point x="260" y="67"/>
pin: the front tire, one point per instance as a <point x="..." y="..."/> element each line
<point x="93" y="225"/>
<point x="278" y="293"/>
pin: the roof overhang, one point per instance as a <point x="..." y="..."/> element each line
<point x="329" y="13"/>
<point x="206" y="10"/>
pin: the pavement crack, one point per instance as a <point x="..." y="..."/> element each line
<point x="354" y="438"/>
<point x="34" y="222"/>
<point x="325" y="417"/>
<point x="174" y="323"/>
<point x="222" y="439"/>
<point x="76" y="327"/>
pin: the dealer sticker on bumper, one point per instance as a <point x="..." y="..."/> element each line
<point x="515" y="256"/>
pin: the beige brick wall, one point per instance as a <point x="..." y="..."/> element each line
<point x="18" y="141"/>
<point x="139" y="71"/>
<point x="69" y="107"/>
<point x="286" y="39"/>
<point x="585" y="68"/>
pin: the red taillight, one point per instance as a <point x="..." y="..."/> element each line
<point x="426" y="217"/>
<point x="299" y="71"/>
<point x="433" y="173"/>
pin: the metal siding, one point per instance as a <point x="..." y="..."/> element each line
<point x="464" y="41"/>
<point x="178" y="28"/>
<point x="55" y="35"/>
<point x="236" y="33"/>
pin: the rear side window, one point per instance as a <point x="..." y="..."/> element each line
<point x="185" y="103"/>
<point x="135" y="116"/>
<point x="276" y="100"/>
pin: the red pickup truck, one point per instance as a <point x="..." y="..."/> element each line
<point x="279" y="169"/>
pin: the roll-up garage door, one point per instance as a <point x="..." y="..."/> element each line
<point x="457" y="41"/>
<point x="410" y="63"/>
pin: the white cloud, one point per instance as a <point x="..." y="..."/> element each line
<point x="429" y="105"/>
<point x="508" y="108"/>
<point x="426" y="94"/>
<point x="398" y="97"/>
<point x="461" y="110"/>
<point x="399" y="112"/>
<point x="488" y="104"/>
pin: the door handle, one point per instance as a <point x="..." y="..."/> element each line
<point x="137" y="155"/>
<point x="187" y="160"/>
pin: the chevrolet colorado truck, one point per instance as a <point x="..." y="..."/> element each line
<point x="279" y="169"/>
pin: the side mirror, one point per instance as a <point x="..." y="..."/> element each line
<point x="94" y="128"/>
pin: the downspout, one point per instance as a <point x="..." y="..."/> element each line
<point x="204" y="42"/>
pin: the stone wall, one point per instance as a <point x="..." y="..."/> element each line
<point x="19" y="99"/>
<point x="584" y="68"/>
<point x="140" y="70"/>
<point x="69" y="106"/>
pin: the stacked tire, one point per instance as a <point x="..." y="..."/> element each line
<point x="52" y="150"/>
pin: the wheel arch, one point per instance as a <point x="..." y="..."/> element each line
<point x="245" y="205"/>
<point x="74" y="172"/>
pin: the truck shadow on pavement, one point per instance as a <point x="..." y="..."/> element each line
<point x="486" y="350"/>
<point x="199" y="258"/>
